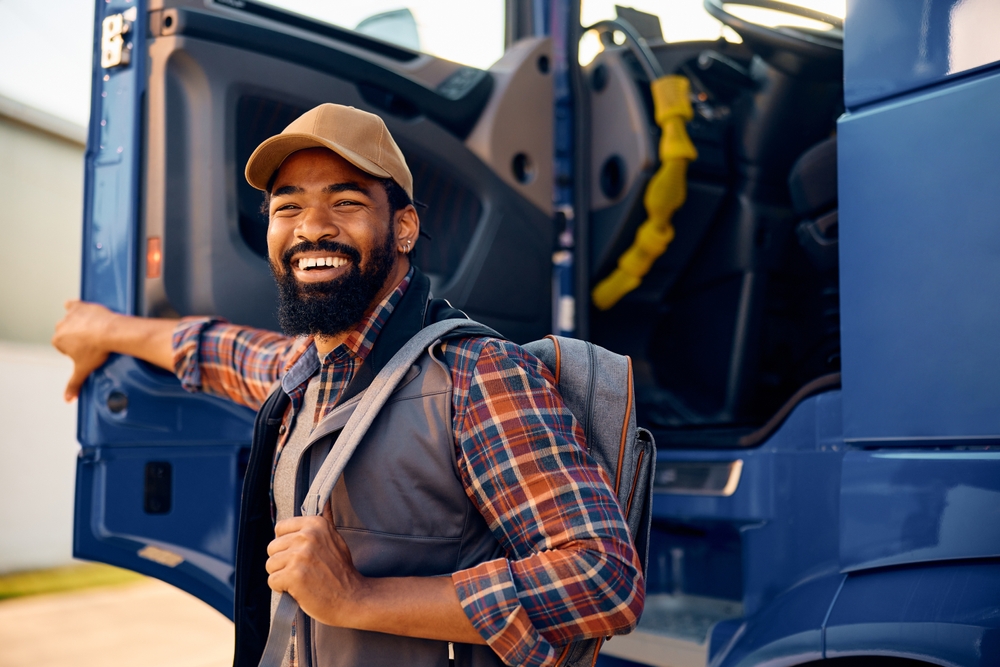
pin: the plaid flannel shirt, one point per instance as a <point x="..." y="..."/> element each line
<point x="570" y="571"/>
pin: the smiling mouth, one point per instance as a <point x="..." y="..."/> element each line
<point x="311" y="263"/>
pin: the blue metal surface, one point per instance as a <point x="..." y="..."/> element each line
<point x="110" y="526"/>
<point x="919" y="250"/>
<point x="785" y="507"/>
<point x="111" y="171"/>
<point x="787" y="631"/>
<point x="896" y="46"/>
<point x="909" y="507"/>
<point x="564" y="54"/>
<point x="945" y="614"/>
<point x="159" y="411"/>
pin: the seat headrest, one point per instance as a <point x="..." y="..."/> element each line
<point x="813" y="179"/>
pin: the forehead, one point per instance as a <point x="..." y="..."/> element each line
<point x="318" y="166"/>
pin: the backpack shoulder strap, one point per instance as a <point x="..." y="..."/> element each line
<point x="371" y="403"/>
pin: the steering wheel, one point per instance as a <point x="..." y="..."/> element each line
<point x="794" y="50"/>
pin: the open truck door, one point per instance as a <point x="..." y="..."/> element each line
<point x="183" y="91"/>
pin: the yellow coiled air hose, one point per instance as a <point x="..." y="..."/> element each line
<point x="664" y="194"/>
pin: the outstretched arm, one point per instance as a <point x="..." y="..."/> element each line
<point x="89" y="332"/>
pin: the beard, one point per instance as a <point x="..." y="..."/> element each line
<point x="335" y="306"/>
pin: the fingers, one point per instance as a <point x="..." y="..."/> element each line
<point x="278" y="578"/>
<point x="277" y="583"/>
<point x="278" y="545"/>
<point x="276" y="562"/>
<point x="293" y="525"/>
<point x="305" y="531"/>
<point x="73" y="386"/>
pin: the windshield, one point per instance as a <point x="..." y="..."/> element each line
<point x="687" y="20"/>
<point x="470" y="33"/>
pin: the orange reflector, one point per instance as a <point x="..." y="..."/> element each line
<point x="154" y="257"/>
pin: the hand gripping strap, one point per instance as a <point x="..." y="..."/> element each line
<point x="368" y="408"/>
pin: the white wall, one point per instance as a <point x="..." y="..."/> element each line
<point x="41" y="185"/>
<point x="38" y="453"/>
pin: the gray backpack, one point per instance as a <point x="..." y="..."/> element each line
<point x="596" y="386"/>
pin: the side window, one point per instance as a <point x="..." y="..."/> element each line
<point x="440" y="28"/>
<point x="470" y="33"/>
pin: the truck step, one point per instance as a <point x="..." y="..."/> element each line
<point x="673" y="631"/>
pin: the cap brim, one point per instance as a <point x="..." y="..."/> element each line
<point x="272" y="152"/>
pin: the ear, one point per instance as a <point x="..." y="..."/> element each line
<point x="407" y="229"/>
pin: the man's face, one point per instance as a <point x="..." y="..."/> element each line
<point x="331" y="242"/>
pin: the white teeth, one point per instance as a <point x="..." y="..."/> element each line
<point x="308" y="262"/>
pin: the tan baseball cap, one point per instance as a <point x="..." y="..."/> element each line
<point x="359" y="137"/>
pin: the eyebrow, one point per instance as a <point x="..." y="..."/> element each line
<point x="333" y="188"/>
<point x="287" y="190"/>
<point x="349" y="186"/>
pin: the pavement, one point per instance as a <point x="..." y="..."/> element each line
<point x="147" y="623"/>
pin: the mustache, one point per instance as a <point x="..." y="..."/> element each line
<point x="319" y="246"/>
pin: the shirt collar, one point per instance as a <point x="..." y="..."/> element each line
<point x="358" y="343"/>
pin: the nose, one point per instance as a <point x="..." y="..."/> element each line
<point x="315" y="224"/>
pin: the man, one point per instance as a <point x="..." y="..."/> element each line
<point x="470" y="516"/>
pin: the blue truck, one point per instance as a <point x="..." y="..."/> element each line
<point x="816" y="352"/>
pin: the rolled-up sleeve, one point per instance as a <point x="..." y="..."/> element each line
<point x="234" y="362"/>
<point x="571" y="572"/>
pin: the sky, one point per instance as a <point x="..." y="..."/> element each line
<point x="45" y="55"/>
<point x="46" y="48"/>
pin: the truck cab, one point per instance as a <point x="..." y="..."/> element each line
<point x="814" y="352"/>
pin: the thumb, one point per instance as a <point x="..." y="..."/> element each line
<point x="75" y="383"/>
<point x="328" y="513"/>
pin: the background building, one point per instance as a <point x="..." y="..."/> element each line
<point x="41" y="186"/>
<point x="45" y="70"/>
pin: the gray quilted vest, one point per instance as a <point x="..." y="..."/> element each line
<point x="365" y="455"/>
<point x="393" y="527"/>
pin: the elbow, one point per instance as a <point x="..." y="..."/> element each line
<point x="631" y="606"/>
<point x="621" y="597"/>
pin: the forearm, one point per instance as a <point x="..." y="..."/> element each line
<point x="144" y="338"/>
<point x="562" y="594"/>
<point x="424" y="607"/>
<point x="89" y="332"/>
